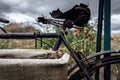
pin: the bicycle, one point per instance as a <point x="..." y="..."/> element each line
<point x="86" y="65"/>
<point x="90" y="67"/>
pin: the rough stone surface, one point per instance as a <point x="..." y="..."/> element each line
<point x="32" y="69"/>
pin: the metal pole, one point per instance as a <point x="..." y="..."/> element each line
<point x="28" y="35"/>
<point x="107" y="35"/>
<point x="35" y="40"/>
<point x="99" y="33"/>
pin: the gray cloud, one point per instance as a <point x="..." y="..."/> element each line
<point x="42" y="6"/>
<point x="45" y="6"/>
<point x="35" y="8"/>
<point x="4" y="8"/>
<point x="115" y="26"/>
<point x="115" y="6"/>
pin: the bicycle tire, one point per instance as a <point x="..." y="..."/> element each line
<point x="90" y="68"/>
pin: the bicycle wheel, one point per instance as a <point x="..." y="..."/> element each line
<point x="96" y="64"/>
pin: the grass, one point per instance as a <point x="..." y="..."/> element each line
<point x="15" y="43"/>
<point x="20" y="28"/>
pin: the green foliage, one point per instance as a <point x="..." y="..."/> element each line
<point x="84" y="40"/>
<point x="3" y="44"/>
<point x="46" y="43"/>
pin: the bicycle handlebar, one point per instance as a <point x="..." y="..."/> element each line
<point x="64" y="24"/>
<point x="4" y="20"/>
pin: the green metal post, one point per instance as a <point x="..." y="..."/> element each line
<point x="107" y="35"/>
<point x="99" y="33"/>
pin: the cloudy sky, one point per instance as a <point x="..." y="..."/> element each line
<point x="29" y="10"/>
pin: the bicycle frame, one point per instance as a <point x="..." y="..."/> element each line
<point x="60" y="38"/>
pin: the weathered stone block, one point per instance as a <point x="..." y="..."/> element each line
<point x="19" y="66"/>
